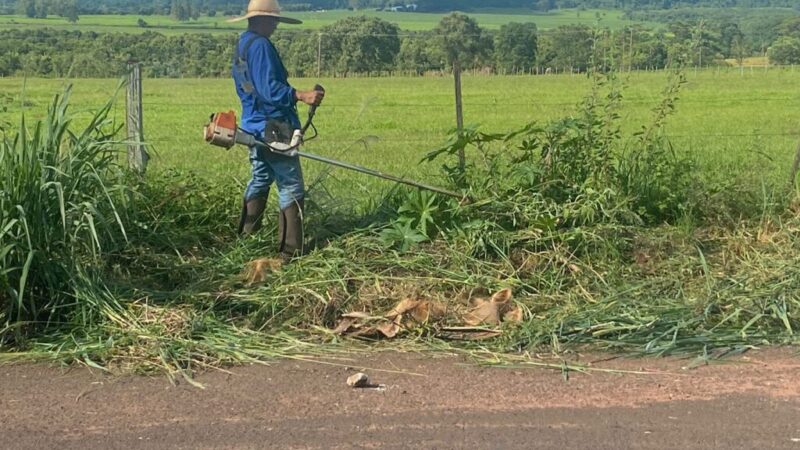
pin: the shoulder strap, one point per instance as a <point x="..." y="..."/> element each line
<point x="249" y="43"/>
<point x="240" y="55"/>
<point x="240" y="63"/>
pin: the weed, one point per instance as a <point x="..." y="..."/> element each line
<point x="63" y="205"/>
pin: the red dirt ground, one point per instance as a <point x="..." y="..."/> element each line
<point x="750" y="401"/>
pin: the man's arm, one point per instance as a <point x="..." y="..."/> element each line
<point x="266" y="81"/>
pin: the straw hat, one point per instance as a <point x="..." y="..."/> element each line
<point x="265" y="8"/>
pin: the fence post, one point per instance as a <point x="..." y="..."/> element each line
<point x="795" y="168"/>
<point x="319" y="54"/>
<point x="462" y="161"/>
<point x="137" y="154"/>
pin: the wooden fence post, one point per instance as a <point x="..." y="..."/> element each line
<point x="462" y="161"/>
<point x="319" y="54"/>
<point x="137" y="154"/>
<point x="795" y="169"/>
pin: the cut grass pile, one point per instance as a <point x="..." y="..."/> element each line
<point x="608" y="237"/>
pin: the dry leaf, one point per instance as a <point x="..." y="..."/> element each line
<point x="403" y="307"/>
<point x="503" y="296"/>
<point x="257" y="271"/>
<point x="485" y="312"/>
<point x="344" y="326"/>
<point x="421" y="311"/>
<point x="514" y="314"/>
<point x="390" y="329"/>
<point x="489" y="312"/>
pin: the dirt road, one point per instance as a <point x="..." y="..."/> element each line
<point x="751" y="401"/>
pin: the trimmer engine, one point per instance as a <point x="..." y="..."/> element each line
<point x="221" y="130"/>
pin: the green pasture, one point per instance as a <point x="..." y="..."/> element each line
<point x="730" y="121"/>
<point x="315" y="20"/>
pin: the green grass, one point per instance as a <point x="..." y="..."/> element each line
<point x="315" y="20"/>
<point x="720" y="277"/>
<point x="723" y="119"/>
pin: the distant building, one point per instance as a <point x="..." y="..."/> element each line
<point x="411" y="7"/>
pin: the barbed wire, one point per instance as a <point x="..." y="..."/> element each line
<point x="501" y="104"/>
<point x="355" y="141"/>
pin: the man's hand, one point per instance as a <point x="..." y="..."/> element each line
<point x="313" y="98"/>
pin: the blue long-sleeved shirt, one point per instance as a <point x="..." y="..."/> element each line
<point x="273" y="97"/>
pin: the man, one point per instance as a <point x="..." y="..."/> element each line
<point x="269" y="112"/>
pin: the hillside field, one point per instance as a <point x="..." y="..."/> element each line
<point x="315" y="20"/>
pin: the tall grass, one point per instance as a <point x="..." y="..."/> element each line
<point x="62" y="208"/>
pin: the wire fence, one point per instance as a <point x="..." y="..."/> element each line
<point x="436" y="132"/>
<point x="174" y="124"/>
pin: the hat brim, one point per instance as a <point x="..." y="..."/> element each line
<point x="280" y="18"/>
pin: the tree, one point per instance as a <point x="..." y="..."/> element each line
<point x="571" y="47"/>
<point x="650" y="53"/>
<point x="69" y="10"/>
<point x="545" y="5"/>
<point x="739" y="50"/>
<point x="515" y="46"/>
<point x="696" y="45"/>
<point x="461" y="41"/>
<point x="760" y="32"/>
<point x="791" y="27"/>
<point x="360" y="44"/>
<point x="27" y="8"/>
<point x="357" y="4"/>
<point x="786" y="50"/>
<point x="729" y="34"/>
<point x="415" y="55"/>
<point x="180" y="10"/>
<point x="299" y="52"/>
<point x="41" y="9"/>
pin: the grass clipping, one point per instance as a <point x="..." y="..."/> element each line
<point x="477" y="321"/>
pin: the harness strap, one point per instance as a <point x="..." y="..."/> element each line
<point x="240" y="64"/>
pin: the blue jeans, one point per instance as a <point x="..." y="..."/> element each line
<point x="268" y="167"/>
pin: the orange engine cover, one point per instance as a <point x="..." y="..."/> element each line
<point x="221" y="129"/>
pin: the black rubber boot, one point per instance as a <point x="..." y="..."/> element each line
<point x="290" y="230"/>
<point x="252" y="215"/>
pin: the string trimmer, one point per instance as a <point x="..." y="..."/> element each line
<point x="223" y="131"/>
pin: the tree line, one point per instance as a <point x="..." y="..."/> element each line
<point x="186" y="9"/>
<point x="368" y="45"/>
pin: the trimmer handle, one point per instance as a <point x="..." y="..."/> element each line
<point x="313" y="109"/>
